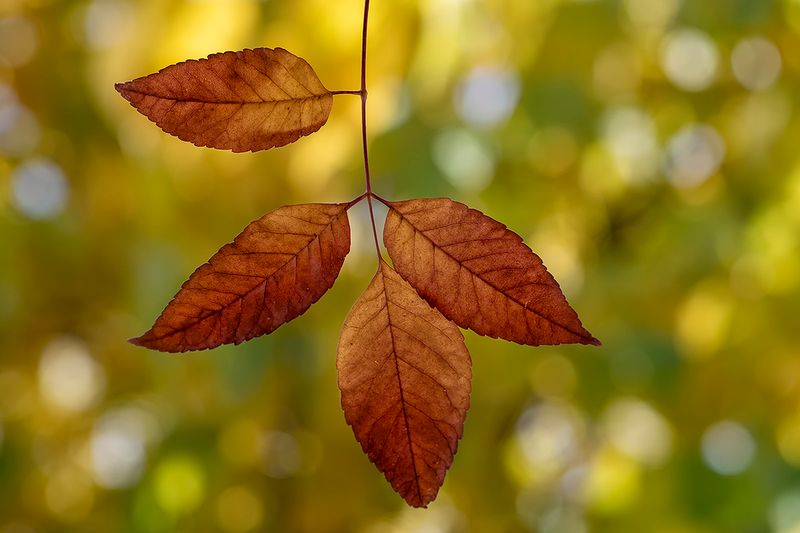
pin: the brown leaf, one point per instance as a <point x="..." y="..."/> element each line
<point x="272" y="272"/>
<point x="478" y="273"/>
<point x="242" y="101"/>
<point x="404" y="373"/>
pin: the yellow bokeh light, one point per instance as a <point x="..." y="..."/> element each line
<point x="5" y="175"/>
<point x="599" y="174"/>
<point x="239" y="443"/>
<point x="387" y="105"/>
<point x="554" y="377"/>
<point x="752" y="123"/>
<point x="617" y="72"/>
<point x="774" y="240"/>
<point x="553" y="151"/>
<point x="703" y="320"/>
<point x="315" y="162"/>
<point x="69" y="494"/>
<point x="239" y="510"/>
<point x="438" y="50"/>
<point x="787" y="436"/>
<point x="202" y="28"/>
<point x="792" y="9"/>
<point x="651" y="15"/>
<point x="179" y="485"/>
<point x="613" y="483"/>
<point x="16" y="394"/>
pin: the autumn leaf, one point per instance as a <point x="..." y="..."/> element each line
<point x="479" y="273"/>
<point x="404" y="371"/>
<point x="272" y="272"/>
<point x="404" y="374"/>
<point x="242" y="101"/>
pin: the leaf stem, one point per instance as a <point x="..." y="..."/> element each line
<point x="358" y="92"/>
<point x="356" y="200"/>
<point x="381" y="199"/>
<point x="364" y="143"/>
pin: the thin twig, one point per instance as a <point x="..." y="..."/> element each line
<point x="380" y="199"/>
<point x="356" y="200"/>
<point x="363" y="93"/>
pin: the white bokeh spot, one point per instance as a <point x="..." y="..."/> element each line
<point x="106" y="22"/>
<point x="281" y="454"/>
<point x="39" y="189"/>
<point x="19" y="129"/>
<point x="118" y="447"/>
<point x="690" y="59"/>
<point x="18" y="40"/>
<point x="488" y="95"/>
<point x="728" y="448"/>
<point x="756" y="63"/>
<point x="70" y="379"/>
<point x="630" y="135"/>
<point x="549" y="435"/>
<point x="466" y="163"/>
<point x="636" y="429"/>
<point x="693" y="155"/>
<point x="784" y="514"/>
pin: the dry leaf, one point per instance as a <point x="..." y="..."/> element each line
<point x="272" y="272"/>
<point x="479" y="274"/>
<point x="404" y="373"/>
<point x="242" y="101"/>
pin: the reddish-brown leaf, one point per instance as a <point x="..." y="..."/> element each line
<point x="241" y="101"/>
<point x="272" y="272"/>
<point x="404" y="374"/>
<point x="479" y="273"/>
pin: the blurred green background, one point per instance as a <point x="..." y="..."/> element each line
<point x="646" y="149"/>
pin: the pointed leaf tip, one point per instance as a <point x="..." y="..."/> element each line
<point x="241" y="101"/>
<point x="479" y="274"/>
<point x="405" y="378"/>
<point x="272" y="273"/>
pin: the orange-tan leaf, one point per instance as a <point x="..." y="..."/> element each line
<point x="271" y="273"/>
<point x="404" y="374"/>
<point x="479" y="273"/>
<point x="241" y="101"/>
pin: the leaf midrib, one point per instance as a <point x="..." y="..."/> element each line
<point x="493" y="286"/>
<point x="400" y="386"/>
<point x="312" y="96"/>
<point x="239" y="297"/>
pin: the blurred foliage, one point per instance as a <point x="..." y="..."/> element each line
<point x="647" y="149"/>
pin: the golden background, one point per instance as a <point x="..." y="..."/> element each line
<point x="646" y="149"/>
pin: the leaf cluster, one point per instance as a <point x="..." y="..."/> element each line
<point x="404" y="371"/>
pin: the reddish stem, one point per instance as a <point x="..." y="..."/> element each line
<point x="364" y="143"/>
<point x="355" y="200"/>
<point x="380" y="199"/>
